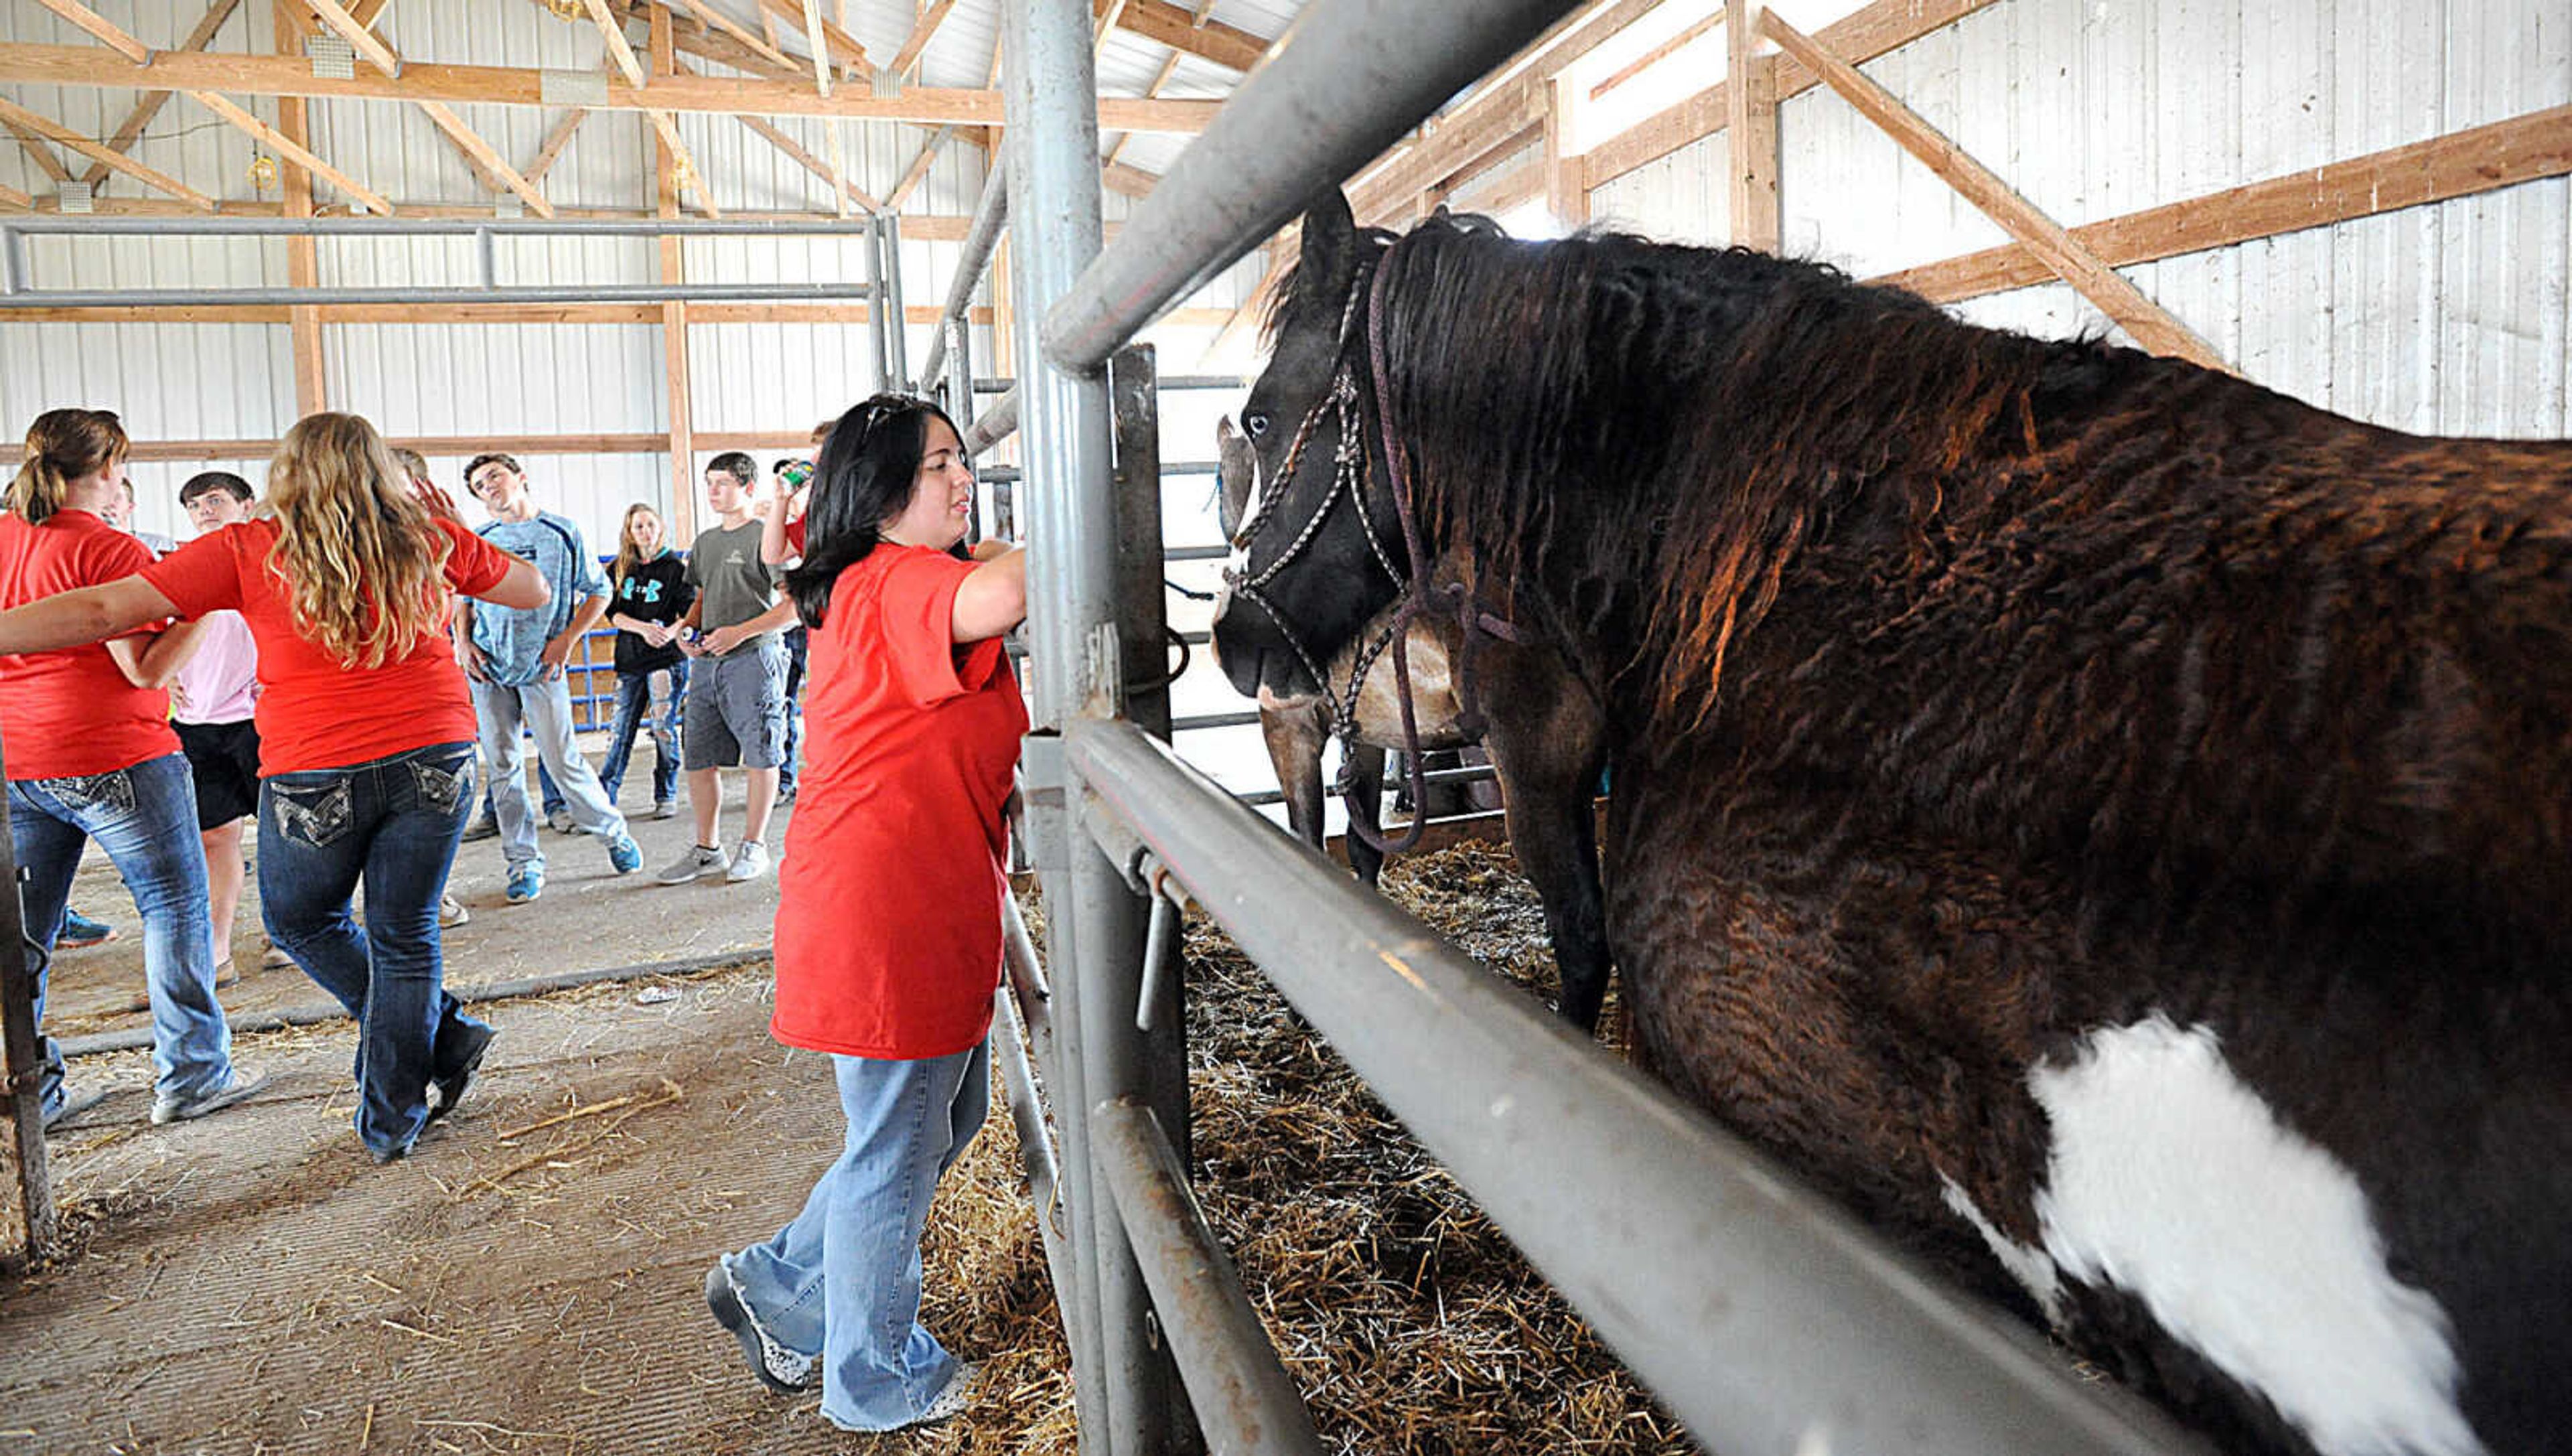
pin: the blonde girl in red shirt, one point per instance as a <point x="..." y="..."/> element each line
<point x="889" y="912"/>
<point x="365" y="735"/>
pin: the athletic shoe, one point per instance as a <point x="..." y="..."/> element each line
<point x="445" y="1090"/>
<point x="240" y="1083"/>
<point x="695" y="863"/>
<point x="560" y="819"/>
<point x="452" y="911"/>
<point x="748" y="862"/>
<point x="80" y="931"/>
<point x="483" y="827"/>
<point x="957" y="1394"/>
<point x="272" y="955"/>
<point x="624" y="856"/>
<point x="663" y="809"/>
<point x="780" y="1369"/>
<point x="526" y="882"/>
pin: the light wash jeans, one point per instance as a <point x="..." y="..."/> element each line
<point x="145" y="817"/>
<point x="634" y="696"/>
<point x="842" y="1282"/>
<point x="392" y="822"/>
<point x="545" y="708"/>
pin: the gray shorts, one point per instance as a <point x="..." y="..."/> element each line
<point x="737" y="708"/>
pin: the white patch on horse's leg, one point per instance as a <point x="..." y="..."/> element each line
<point x="2027" y="1266"/>
<point x="2173" y="1180"/>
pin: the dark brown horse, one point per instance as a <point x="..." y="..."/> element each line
<point x="2104" y="821"/>
<point x="1546" y="752"/>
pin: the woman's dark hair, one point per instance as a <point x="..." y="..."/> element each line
<point x="735" y="464"/>
<point x="869" y="466"/>
<point x="206" y="482"/>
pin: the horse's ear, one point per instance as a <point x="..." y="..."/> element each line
<point x="1330" y="241"/>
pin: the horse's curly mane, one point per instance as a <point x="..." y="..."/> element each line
<point x="1605" y="413"/>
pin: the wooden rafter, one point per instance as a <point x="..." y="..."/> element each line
<point x="914" y="45"/>
<point x="1175" y="27"/>
<point x="304" y="254"/>
<point x="776" y="137"/>
<point x="108" y="33"/>
<point x="817" y="36"/>
<point x="287" y="147"/>
<point x="40" y="154"/>
<point x="696" y="180"/>
<point x="1660" y="53"/>
<point x="487" y="156"/>
<point x="16" y="199"/>
<point x="845" y="47"/>
<point x="2151" y="324"/>
<point x="365" y="41"/>
<point x="238" y="75"/>
<point x="731" y="27"/>
<point x="150" y="102"/>
<point x="1160" y="78"/>
<point x="917" y="169"/>
<point x="56" y="131"/>
<point x="555" y="141"/>
<point x="1751" y="120"/>
<point x="619" y="49"/>
<point x="1108" y="15"/>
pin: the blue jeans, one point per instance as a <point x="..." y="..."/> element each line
<point x="842" y="1282"/>
<point x="544" y="706"/>
<point x="634" y="693"/>
<point x="145" y="817"/>
<point x="392" y="822"/>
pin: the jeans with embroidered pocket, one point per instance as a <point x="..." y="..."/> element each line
<point x="392" y="823"/>
<point x="842" y="1282"/>
<point x="145" y="817"/>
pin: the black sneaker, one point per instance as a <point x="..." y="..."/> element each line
<point x="778" y="1368"/>
<point x="446" y="1089"/>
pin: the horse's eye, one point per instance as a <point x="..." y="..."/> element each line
<point x="1256" y="422"/>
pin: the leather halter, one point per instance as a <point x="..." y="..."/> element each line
<point x="1349" y="478"/>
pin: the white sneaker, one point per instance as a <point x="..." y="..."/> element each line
<point x="748" y="862"/>
<point x="452" y="911"/>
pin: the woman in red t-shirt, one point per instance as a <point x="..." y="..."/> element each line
<point x="365" y="735"/>
<point x="90" y="755"/>
<point x="889" y="910"/>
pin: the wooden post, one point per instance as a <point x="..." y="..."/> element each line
<point x="1751" y="112"/>
<point x="1567" y="173"/>
<point x="674" y="317"/>
<point x="302" y="254"/>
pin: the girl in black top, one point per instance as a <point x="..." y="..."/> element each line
<point x="649" y="593"/>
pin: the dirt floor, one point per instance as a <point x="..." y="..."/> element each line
<point x="528" y="1280"/>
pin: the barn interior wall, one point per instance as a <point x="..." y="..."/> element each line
<point x="2452" y="318"/>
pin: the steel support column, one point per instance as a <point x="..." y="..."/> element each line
<point x="1096" y="923"/>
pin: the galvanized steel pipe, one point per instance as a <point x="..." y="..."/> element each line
<point x="1353" y="76"/>
<point x="530" y="293"/>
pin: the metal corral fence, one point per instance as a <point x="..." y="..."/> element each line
<point x="1768" y="1319"/>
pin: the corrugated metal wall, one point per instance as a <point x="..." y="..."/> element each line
<point x="2451" y="318"/>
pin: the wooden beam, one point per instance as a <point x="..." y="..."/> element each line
<point x="818" y="38"/>
<point x="16" y="199"/>
<point x="109" y="34"/>
<point x="922" y="30"/>
<point x="674" y="317"/>
<point x="555" y="141"/>
<point x="150" y="102"/>
<point x="2478" y="159"/>
<point x="1108" y="15"/>
<point x="1665" y="51"/>
<point x="734" y="29"/>
<point x="1883" y="26"/>
<point x="1750" y="116"/>
<point x="302" y="254"/>
<point x="918" y="169"/>
<point x="287" y="146"/>
<point x="355" y="31"/>
<point x="1567" y="180"/>
<point x="488" y="155"/>
<point x="56" y="131"/>
<point x="619" y="49"/>
<point x="776" y="137"/>
<point x="2151" y="324"/>
<point x="1126" y="178"/>
<point x="240" y="75"/>
<point x="687" y="162"/>
<point x="850" y="52"/>
<point x="40" y="154"/>
<point x="1175" y="27"/>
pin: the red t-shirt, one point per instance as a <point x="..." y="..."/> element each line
<point x="72" y="711"/>
<point x="794" y="536"/>
<point x="316" y="711"/>
<point x="889" y="910"/>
